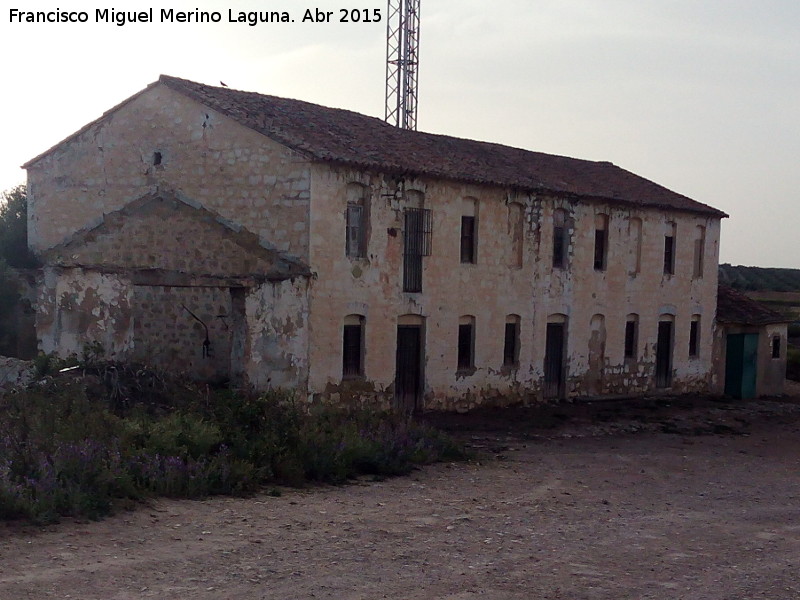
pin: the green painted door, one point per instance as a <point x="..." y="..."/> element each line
<point x="740" y="365"/>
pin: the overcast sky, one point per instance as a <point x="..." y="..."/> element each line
<point x="702" y="97"/>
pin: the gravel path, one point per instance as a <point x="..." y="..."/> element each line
<point x="582" y="510"/>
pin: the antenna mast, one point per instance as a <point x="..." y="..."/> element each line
<point x="402" y="59"/>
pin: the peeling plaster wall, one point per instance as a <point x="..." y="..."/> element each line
<point x="78" y="307"/>
<point x="277" y="338"/>
<point x="496" y="287"/>
<point x="205" y="157"/>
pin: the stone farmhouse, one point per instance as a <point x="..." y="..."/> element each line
<point x="276" y="243"/>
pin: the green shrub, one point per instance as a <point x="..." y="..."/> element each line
<point x="72" y="447"/>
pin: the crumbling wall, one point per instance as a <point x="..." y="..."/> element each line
<point x="499" y="285"/>
<point x="78" y="307"/>
<point x="277" y="338"/>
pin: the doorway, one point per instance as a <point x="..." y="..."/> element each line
<point x="741" y="354"/>
<point x="554" y="369"/>
<point x="664" y="355"/>
<point x="408" y="374"/>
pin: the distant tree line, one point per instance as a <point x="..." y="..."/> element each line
<point x="14" y="253"/>
<point x="759" y="278"/>
<point x="14" y="229"/>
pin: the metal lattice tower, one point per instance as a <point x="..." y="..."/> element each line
<point x="402" y="60"/>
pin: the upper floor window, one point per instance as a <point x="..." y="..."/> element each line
<point x="560" y="233"/>
<point x="699" y="251"/>
<point x="356" y="216"/>
<point x="694" y="336"/>
<point x="516" y="232"/>
<point x="469" y="231"/>
<point x="468" y="239"/>
<point x="635" y="248"/>
<point x="669" y="249"/>
<point x="600" y="242"/>
<point x="416" y="244"/>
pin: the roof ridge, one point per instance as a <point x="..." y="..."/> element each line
<point x="349" y="138"/>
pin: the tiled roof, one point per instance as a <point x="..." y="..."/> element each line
<point x="734" y="307"/>
<point x="343" y="136"/>
<point x="350" y="138"/>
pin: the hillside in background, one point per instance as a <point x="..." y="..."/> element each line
<point x="760" y="278"/>
<point x="777" y="288"/>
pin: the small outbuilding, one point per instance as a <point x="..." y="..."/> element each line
<point x="749" y="346"/>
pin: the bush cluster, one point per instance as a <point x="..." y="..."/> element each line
<point x="72" y="447"/>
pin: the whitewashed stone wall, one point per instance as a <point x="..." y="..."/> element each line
<point x="496" y="287"/>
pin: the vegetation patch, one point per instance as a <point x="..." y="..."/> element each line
<point x="103" y="435"/>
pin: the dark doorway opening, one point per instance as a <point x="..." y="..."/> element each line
<point x="408" y="377"/>
<point x="554" y="361"/>
<point x="664" y="355"/>
<point x="741" y="358"/>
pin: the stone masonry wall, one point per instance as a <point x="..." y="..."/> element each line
<point x="497" y="286"/>
<point x="167" y="336"/>
<point x="166" y="235"/>
<point x="204" y="156"/>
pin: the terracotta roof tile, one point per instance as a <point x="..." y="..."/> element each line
<point x="734" y="307"/>
<point x="343" y="136"/>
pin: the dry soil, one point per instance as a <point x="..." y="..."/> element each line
<point x="681" y="499"/>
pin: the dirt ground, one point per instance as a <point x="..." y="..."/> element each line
<point x="681" y="499"/>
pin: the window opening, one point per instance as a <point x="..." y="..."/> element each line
<point x="776" y="346"/>
<point x="631" y="334"/>
<point x="511" y="342"/>
<point x="699" y="251"/>
<point x="669" y="250"/>
<point x="417" y="243"/>
<point x="635" y="232"/>
<point x="356" y="221"/>
<point x="352" y="346"/>
<point x="694" y="337"/>
<point x="516" y="232"/>
<point x="600" y="242"/>
<point x="559" y="239"/>
<point x="468" y="239"/>
<point x="466" y="343"/>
